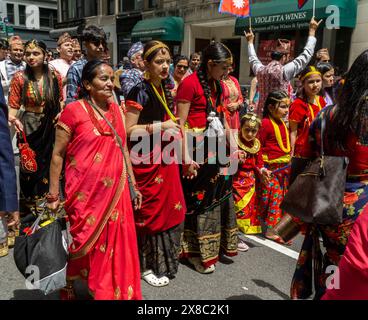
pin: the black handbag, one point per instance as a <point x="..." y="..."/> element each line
<point x="317" y="194"/>
<point x="41" y="255"/>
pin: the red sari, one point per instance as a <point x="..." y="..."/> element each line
<point x="231" y="93"/>
<point x="104" y="248"/>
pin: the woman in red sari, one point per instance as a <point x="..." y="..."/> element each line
<point x="150" y="116"/>
<point x="232" y="98"/>
<point x="104" y="249"/>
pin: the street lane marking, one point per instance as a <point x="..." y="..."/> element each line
<point x="275" y="246"/>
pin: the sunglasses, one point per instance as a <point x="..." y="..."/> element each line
<point x="180" y="66"/>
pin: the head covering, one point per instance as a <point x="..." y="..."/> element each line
<point x="283" y="46"/>
<point x="65" y="37"/>
<point x="136" y="47"/>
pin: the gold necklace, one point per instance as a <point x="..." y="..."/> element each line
<point x="279" y="138"/>
<point x="253" y="150"/>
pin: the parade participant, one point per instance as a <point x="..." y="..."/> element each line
<point x="328" y="81"/>
<point x="39" y="90"/>
<point x="94" y="39"/>
<point x="232" y="99"/>
<point x="77" y="51"/>
<point x="305" y="108"/>
<point x="194" y="62"/>
<point x="133" y="76"/>
<point x="249" y="173"/>
<point x="322" y="55"/>
<point x="352" y="277"/>
<point x="62" y="65"/>
<point x="98" y="203"/>
<point x="159" y="221"/>
<point x="15" y="63"/>
<point x="279" y="72"/>
<point x="181" y="65"/>
<point x="210" y="225"/>
<point x="276" y="149"/>
<point x="4" y="48"/>
<point x="8" y="186"/>
<point x="253" y="92"/>
<point x="346" y="134"/>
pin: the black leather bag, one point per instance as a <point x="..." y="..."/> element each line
<point x="317" y="194"/>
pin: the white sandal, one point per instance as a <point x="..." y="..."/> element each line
<point x="199" y="267"/>
<point x="153" y="280"/>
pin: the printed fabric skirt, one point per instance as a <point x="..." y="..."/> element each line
<point x="246" y="202"/>
<point x="160" y="252"/>
<point x="334" y="237"/>
<point x="208" y="234"/>
<point x="271" y="195"/>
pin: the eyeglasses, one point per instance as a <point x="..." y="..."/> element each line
<point x="180" y="66"/>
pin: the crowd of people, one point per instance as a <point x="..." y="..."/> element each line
<point x="135" y="156"/>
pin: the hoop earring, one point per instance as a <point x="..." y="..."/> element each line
<point x="147" y="75"/>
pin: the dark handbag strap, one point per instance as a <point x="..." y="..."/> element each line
<point x="323" y="127"/>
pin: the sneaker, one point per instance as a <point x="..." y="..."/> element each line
<point x="242" y="246"/>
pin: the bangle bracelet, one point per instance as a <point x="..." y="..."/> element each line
<point x="52" y="197"/>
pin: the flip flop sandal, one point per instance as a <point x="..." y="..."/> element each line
<point x="199" y="267"/>
<point x="153" y="280"/>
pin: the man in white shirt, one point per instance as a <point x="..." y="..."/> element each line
<point x="278" y="73"/>
<point x="66" y="52"/>
<point x="10" y="66"/>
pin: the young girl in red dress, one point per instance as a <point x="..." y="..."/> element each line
<point x="250" y="172"/>
<point x="304" y="109"/>
<point x="276" y="149"/>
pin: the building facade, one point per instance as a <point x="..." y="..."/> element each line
<point x="14" y="14"/>
<point x="189" y="25"/>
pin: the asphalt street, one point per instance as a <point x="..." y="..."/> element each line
<point x="262" y="273"/>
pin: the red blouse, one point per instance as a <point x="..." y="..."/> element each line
<point x="15" y="93"/>
<point x="267" y="136"/>
<point x="303" y="114"/>
<point x="190" y="90"/>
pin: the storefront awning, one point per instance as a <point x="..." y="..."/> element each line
<point x="284" y="15"/>
<point x="165" y="29"/>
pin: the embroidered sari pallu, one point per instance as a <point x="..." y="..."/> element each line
<point x="104" y="248"/>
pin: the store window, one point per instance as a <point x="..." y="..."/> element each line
<point x="22" y="15"/>
<point x="47" y="17"/>
<point x="111" y="7"/>
<point x="10" y="12"/>
<point x="90" y="8"/>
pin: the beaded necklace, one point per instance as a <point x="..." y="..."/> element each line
<point x="279" y="137"/>
<point x="311" y="109"/>
<point x="162" y="99"/>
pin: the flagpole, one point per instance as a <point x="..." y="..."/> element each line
<point x="250" y="16"/>
<point x="314" y="8"/>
